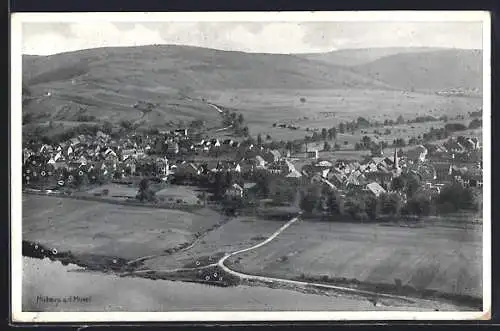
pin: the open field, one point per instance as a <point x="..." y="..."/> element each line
<point x="238" y="233"/>
<point x="117" y="191"/>
<point x="327" y="108"/>
<point x="164" y="192"/>
<point x="85" y="227"/>
<point x="446" y="259"/>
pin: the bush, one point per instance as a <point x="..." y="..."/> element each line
<point x="390" y="204"/>
<point x="475" y="124"/>
<point x="455" y="197"/>
<point x="420" y="205"/>
<point x="455" y="127"/>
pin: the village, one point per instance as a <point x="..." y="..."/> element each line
<point x="240" y="173"/>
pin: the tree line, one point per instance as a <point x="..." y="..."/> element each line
<point x="364" y="206"/>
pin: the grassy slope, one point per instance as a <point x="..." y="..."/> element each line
<point x="433" y="70"/>
<point x="327" y="108"/>
<point x="108" y="81"/>
<point x="359" y="56"/>
<point x="87" y="227"/>
<point x="446" y="259"/>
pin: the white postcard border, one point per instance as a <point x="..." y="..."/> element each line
<point x="16" y="165"/>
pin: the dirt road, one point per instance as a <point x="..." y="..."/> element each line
<point x="347" y="290"/>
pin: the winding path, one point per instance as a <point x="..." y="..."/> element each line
<point x="215" y="107"/>
<point x="272" y="280"/>
<point x="264" y="279"/>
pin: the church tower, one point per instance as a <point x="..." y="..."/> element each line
<point x="395" y="161"/>
<point x="396" y="171"/>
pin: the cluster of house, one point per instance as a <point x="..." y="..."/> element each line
<point x="98" y="156"/>
<point x="86" y="155"/>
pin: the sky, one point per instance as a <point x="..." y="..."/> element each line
<point x="41" y="38"/>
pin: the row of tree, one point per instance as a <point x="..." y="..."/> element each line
<point x="365" y="206"/>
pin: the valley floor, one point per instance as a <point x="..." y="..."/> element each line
<point x="171" y="243"/>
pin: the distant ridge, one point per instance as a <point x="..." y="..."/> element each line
<point x="107" y="82"/>
<point x="359" y="56"/>
<point x="435" y="70"/>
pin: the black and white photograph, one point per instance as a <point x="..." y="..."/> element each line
<point x="250" y="166"/>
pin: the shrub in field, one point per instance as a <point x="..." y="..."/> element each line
<point x="373" y="207"/>
<point x="334" y="203"/>
<point x="475" y="124"/>
<point x="145" y="193"/>
<point x="327" y="147"/>
<point x="355" y="207"/>
<point x="420" y="204"/>
<point x="310" y="199"/>
<point x="390" y="204"/>
<point x="454" y="127"/>
<point x="455" y="197"/>
<point x="284" y="258"/>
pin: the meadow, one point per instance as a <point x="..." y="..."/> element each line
<point x="237" y="233"/>
<point x="88" y="227"/>
<point x="447" y="259"/>
<point x="327" y="108"/>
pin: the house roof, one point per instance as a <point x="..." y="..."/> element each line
<point x="260" y="159"/>
<point x="375" y="188"/>
<point x="324" y="163"/>
<point x="249" y="185"/>
<point x="74" y="141"/>
<point x="237" y="187"/>
<point x="329" y="184"/>
<point x="294" y="174"/>
<point x="377" y="159"/>
<point x="336" y="175"/>
<point x="275" y="153"/>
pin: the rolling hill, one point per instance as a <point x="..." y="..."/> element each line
<point x="105" y="82"/>
<point x="360" y="56"/>
<point x="431" y="71"/>
<point x="192" y="67"/>
<point x="108" y="82"/>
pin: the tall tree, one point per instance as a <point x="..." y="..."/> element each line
<point x="342" y="127"/>
<point x="334" y="133"/>
<point x="324" y="133"/>
<point x="259" y="139"/>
